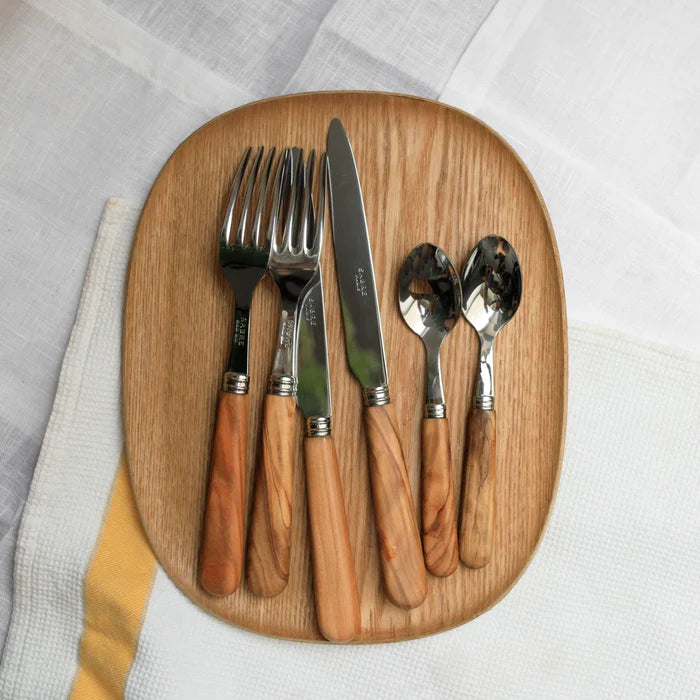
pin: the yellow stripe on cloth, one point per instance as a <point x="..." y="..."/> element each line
<point x="117" y="589"/>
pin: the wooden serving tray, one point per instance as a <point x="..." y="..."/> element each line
<point x="429" y="173"/>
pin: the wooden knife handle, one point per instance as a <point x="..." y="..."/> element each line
<point x="270" y="528"/>
<point x="221" y="550"/>
<point x="400" y="552"/>
<point x="439" y="522"/>
<point x="335" y="587"/>
<point x="476" y="531"/>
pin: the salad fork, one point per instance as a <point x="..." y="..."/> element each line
<point x="293" y="262"/>
<point x="244" y="263"/>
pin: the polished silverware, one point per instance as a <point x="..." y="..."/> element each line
<point x="244" y="248"/>
<point x="491" y="292"/>
<point x="293" y="260"/>
<point x="335" y="586"/>
<point x="401" y="555"/>
<point x="430" y="299"/>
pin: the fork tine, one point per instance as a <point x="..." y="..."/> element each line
<point x="321" y="208"/>
<point x="296" y="163"/>
<point x="307" y="218"/>
<point x="235" y="187"/>
<point x="262" y="194"/>
<point x="243" y="218"/>
<point x="277" y="197"/>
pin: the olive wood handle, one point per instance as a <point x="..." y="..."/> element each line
<point x="335" y="587"/>
<point x="221" y="549"/>
<point x="400" y="552"/>
<point x="439" y="522"/>
<point x="476" y="531"/>
<point x="270" y="533"/>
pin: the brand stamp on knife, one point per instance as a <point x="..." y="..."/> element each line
<point x="310" y="311"/>
<point x="361" y="281"/>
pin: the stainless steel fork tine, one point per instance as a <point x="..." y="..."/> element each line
<point x="277" y="197"/>
<point x="321" y="207"/>
<point x="307" y="217"/>
<point x="235" y="187"/>
<point x="243" y="219"/>
<point x="262" y="195"/>
<point x="296" y="163"/>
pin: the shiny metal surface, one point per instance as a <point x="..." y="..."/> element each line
<point x="244" y="259"/>
<point x="491" y="292"/>
<point x="314" y="392"/>
<point x="353" y="259"/>
<point x="294" y="257"/>
<point x="430" y="300"/>
<point x="235" y="383"/>
<point x="318" y="426"/>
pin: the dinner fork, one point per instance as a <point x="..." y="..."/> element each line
<point x="293" y="261"/>
<point x="244" y="263"/>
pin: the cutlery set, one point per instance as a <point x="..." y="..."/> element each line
<point x="274" y="222"/>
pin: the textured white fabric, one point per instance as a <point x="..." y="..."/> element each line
<point x="601" y="100"/>
<point x="73" y="478"/>
<point x="608" y="607"/>
<point x="96" y="94"/>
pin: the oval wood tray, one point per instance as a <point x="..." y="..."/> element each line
<point x="429" y="173"/>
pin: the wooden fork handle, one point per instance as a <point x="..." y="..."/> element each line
<point x="335" y="587"/>
<point x="439" y="522"/>
<point x="270" y="528"/>
<point x="476" y="533"/>
<point x="400" y="552"/>
<point x="221" y="550"/>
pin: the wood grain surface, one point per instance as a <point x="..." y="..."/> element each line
<point x="478" y="511"/>
<point x="437" y="498"/>
<point x="221" y="550"/>
<point x="429" y="173"/>
<point x="335" y="583"/>
<point x="398" y="536"/>
<point x="270" y="531"/>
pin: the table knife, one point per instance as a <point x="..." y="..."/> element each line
<point x="335" y="587"/>
<point x="400" y="552"/>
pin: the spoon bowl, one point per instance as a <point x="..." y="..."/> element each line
<point x="492" y="285"/>
<point x="429" y="292"/>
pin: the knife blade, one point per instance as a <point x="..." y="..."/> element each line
<point x="358" y="296"/>
<point x="314" y="390"/>
<point x="401" y="554"/>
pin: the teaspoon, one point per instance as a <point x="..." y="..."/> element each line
<point x="491" y="291"/>
<point x="430" y="301"/>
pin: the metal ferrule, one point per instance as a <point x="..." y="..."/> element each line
<point x="376" y="396"/>
<point x="483" y="402"/>
<point x="434" y="410"/>
<point x="318" y="426"/>
<point x="282" y="385"/>
<point x="235" y="383"/>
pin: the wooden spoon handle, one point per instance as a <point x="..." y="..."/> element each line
<point x="221" y="550"/>
<point x="400" y="552"/>
<point x="476" y="532"/>
<point x="439" y="523"/>
<point x="270" y="530"/>
<point x="335" y="587"/>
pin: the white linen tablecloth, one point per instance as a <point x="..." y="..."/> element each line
<point x="600" y="99"/>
